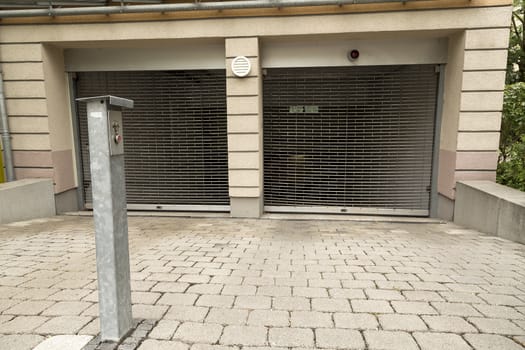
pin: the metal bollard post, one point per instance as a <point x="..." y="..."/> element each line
<point x="106" y="153"/>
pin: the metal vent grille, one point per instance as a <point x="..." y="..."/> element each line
<point x="349" y="139"/>
<point x="175" y="137"/>
<point x="241" y="66"/>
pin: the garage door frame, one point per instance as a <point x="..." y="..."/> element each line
<point x="434" y="194"/>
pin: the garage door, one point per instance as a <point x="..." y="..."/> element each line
<point x="175" y="137"/>
<point x="349" y="139"/>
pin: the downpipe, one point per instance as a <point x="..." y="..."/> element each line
<point x="6" y="136"/>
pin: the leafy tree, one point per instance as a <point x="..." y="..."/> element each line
<point x="511" y="162"/>
<point x="516" y="58"/>
<point x="511" y="167"/>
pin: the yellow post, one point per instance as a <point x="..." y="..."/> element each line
<point x="2" y="178"/>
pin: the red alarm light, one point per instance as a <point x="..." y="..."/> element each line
<point x="353" y="55"/>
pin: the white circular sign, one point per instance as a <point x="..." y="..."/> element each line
<point x="241" y="66"/>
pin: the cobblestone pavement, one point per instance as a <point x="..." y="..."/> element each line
<point x="222" y="284"/>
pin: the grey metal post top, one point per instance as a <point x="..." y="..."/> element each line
<point x="113" y="101"/>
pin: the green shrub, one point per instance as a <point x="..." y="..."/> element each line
<point x="511" y="164"/>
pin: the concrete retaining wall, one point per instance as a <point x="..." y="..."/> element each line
<point x="491" y="208"/>
<point x="26" y="199"/>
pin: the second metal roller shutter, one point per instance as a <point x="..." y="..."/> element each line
<point x="175" y="136"/>
<point x="349" y="139"/>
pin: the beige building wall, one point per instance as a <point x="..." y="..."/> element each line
<point x="473" y="99"/>
<point x="27" y="109"/>
<point x="38" y="109"/>
<point x="477" y="36"/>
<point x="59" y="119"/>
<point x="483" y="81"/>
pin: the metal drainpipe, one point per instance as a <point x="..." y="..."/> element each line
<point x="197" y="6"/>
<point x="6" y="137"/>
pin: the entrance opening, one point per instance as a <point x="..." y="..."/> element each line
<point x="175" y="137"/>
<point x="349" y="139"/>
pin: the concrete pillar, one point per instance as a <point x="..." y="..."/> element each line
<point x="485" y="63"/>
<point x="449" y="125"/>
<point x="244" y="104"/>
<point x="474" y="83"/>
<point x="109" y="210"/>
<point x="59" y="119"/>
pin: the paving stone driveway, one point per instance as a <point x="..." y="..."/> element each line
<point x="218" y="284"/>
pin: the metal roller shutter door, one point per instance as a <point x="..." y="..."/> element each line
<point x="349" y="139"/>
<point x="175" y="137"/>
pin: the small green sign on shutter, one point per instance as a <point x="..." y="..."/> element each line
<point x="304" y="109"/>
<point x="296" y="109"/>
<point x="311" y="109"/>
